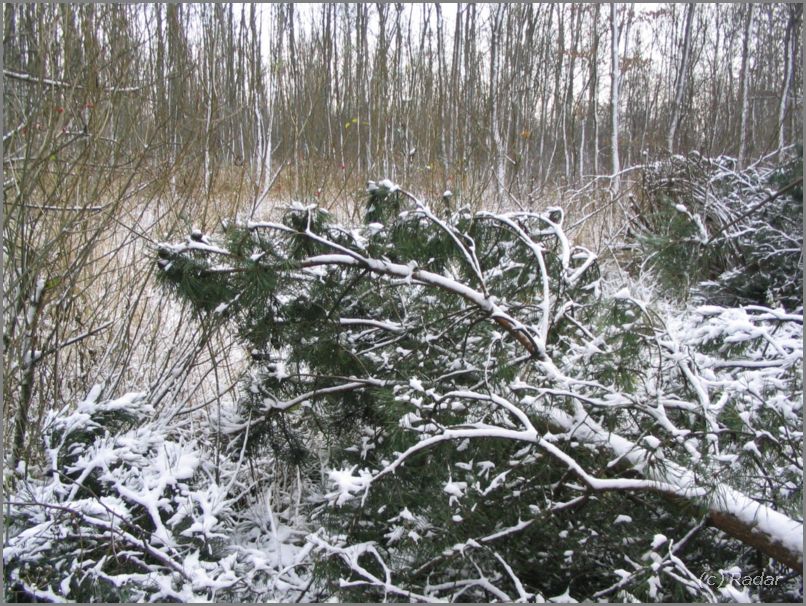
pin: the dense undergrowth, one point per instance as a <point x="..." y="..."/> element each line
<point x="456" y="405"/>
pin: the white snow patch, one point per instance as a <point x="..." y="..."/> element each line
<point x="658" y="540"/>
<point x="389" y="185"/>
<point x="456" y="490"/>
<point x="416" y="384"/>
<point x="347" y="484"/>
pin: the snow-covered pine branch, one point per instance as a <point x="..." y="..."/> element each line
<point x="426" y="354"/>
<point x="129" y="510"/>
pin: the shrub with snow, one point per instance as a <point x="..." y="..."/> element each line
<point x="130" y="511"/>
<point x="730" y="237"/>
<point x="487" y="414"/>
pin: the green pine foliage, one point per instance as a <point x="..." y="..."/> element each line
<point x="724" y="236"/>
<point x="360" y="353"/>
<point x="453" y="393"/>
<point x="384" y="202"/>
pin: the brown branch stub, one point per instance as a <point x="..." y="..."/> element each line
<point x="749" y="535"/>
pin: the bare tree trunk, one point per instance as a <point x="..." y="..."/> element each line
<point x="625" y="125"/>
<point x="22" y="417"/>
<point x="557" y="105"/>
<point x="264" y="104"/>
<point x="495" y="134"/>
<point x="161" y="104"/>
<point x="442" y="79"/>
<point x="745" y="85"/>
<point x="593" y="118"/>
<point x="569" y="121"/>
<point x="615" y="76"/>
<point x="681" y="80"/>
<point x="790" y="45"/>
<point x="455" y="94"/>
<point x="210" y="59"/>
